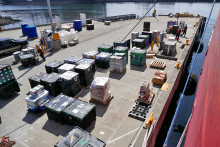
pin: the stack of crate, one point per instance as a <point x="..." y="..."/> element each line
<point x="122" y="42"/>
<point x="88" y="62"/>
<point x="66" y="67"/>
<point x="86" y="74"/>
<point x="72" y="60"/>
<point x="51" y="83"/>
<point x="8" y="83"/>
<point x="102" y="60"/>
<point x="146" y="38"/>
<point x="139" y="43"/>
<point x="138" y="57"/>
<point x="70" y="83"/>
<point x="28" y="50"/>
<point x="35" y="80"/>
<point x="37" y="98"/>
<point x="100" y="90"/>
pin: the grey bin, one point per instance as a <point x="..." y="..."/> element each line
<point x="16" y="56"/>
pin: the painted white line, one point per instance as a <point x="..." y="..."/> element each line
<point x="122" y="136"/>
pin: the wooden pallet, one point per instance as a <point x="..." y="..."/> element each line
<point x="87" y="87"/>
<point x="33" y="38"/>
<point x="76" y="96"/>
<point x="98" y="102"/>
<point x="150" y="98"/>
<point x="118" y="72"/>
<point x="157" y="64"/>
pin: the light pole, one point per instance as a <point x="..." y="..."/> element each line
<point x="51" y="20"/>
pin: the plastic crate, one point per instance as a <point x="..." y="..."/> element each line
<point x="35" y="80"/>
<point x="53" y="66"/>
<point x="79" y="138"/>
<point x="89" y="62"/>
<point x="86" y="75"/>
<point x="80" y="113"/>
<point x="140" y="43"/>
<point x="150" y="34"/>
<point x="51" y="83"/>
<point x="102" y="60"/>
<point x="70" y="83"/>
<point x="122" y="42"/>
<point x="27" y="60"/>
<point x="105" y="48"/>
<point x="72" y="60"/>
<point x="90" y="54"/>
<point x="8" y="89"/>
<point x="55" y="107"/>
<point x="146" y="38"/>
<point x="138" y="57"/>
<point x="121" y="49"/>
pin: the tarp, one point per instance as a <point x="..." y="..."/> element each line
<point x="204" y="127"/>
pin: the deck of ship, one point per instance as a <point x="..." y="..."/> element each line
<point x="112" y="124"/>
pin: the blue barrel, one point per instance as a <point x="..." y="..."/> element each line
<point x="24" y="32"/>
<point x="31" y="31"/>
<point x="77" y="25"/>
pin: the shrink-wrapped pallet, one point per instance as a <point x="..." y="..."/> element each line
<point x="159" y="77"/>
<point x="100" y="90"/>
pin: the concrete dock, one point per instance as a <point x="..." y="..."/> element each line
<point x="112" y="124"/>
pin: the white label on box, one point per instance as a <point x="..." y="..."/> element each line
<point x="64" y="104"/>
<point x="75" y="111"/>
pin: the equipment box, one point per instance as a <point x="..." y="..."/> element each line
<point x="150" y="34"/>
<point x="27" y="60"/>
<point x="90" y="26"/>
<point x="35" y="80"/>
<point x="72" y="60"/>
<point x="139" y="43"/>
<point x="122" y="42"/>
<point x="146" y="38"/>
<point x="80" y="113"/>
<point x="79" y="138"/>
<point x="159" y="77"/>
<point x="105" y="48"/>
<point x="138" y="57"/>
<point x="121" y="49"/>
<point x="51" y="84"/>
<point x="55" y="107"/>
<point x="90" y="54"/>
<point x="102" y="60"/>
<point x="89" y="62"/>
<point x="53" y="66"/>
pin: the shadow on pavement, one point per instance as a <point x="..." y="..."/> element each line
<point x="4" y="102"/>
<point x="116" y="75"/>
<point x="138" y="68"/>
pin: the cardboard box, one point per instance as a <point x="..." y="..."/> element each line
<point x="159" y="77"/>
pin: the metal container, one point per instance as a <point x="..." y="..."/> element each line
<point x="16" y="56"/>
<point x="146" y="26"/>
<point x="169" y="48"/>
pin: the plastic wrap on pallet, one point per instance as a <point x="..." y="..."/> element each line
<point x="35" y="80"/>
<point x="36" y="101"/>
<point x="34" y="92"/>
<point x="144" y="91"/>
<point x="68" y="76"/>
<point x="90" y="54"/>
<point x="28" y="59"/>
<point x="28" y="50"/>
<point x="77" y="136"/>
<point x="85" y="74"/>
<point x="66" y="67"/>
<point x="103" y="56"/>
<point x="53" y="66"/>
<point x="72" y="59"/>
<point x="55" y="107"/>
<point x="6" y="74"/>
<point x="80" y="113"/>
<point x="50" y="83"/>
<point x="100" y="83"/>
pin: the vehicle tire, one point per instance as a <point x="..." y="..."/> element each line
<point x="23" y="46"/>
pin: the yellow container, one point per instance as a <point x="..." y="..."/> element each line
<point x="181" y="15"/>
<point x="155" y="11"/>
<point x="56" y="36"/>
<point x="1" y="29"/>
<point x="171" y="28"/>
<point x="191" y="15"/>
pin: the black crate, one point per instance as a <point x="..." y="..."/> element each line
<point x="70" y="83"/>
<point x="102" y="60"/>
<point x="79" y="138"/>
<point x="8" y="89"/>
<point x="85" y="74"/>
<point x="53" y="66"/>
<point x="80" y="113"/>
<point x="35" y="80"/>
<point x="89" y="62"/>
<point x="55" y="107"/>
<point x="150" y="33"/>
<point x="4" y="67"/>
<point x="139" y="43"/>
<point x="27" y="60"/>
<point x="51" y="83"/>
<point x="72" y="60"/>
<point x="139" y="111"/>
<point x="88" y="21"/>
<point x="90" y="26"/>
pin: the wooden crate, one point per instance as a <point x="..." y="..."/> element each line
<point x="157" y="64"/>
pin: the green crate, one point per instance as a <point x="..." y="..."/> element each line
<point x="138" y="59"/>
<point x="105" y="48"/>
<point x="121" y="49"/>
